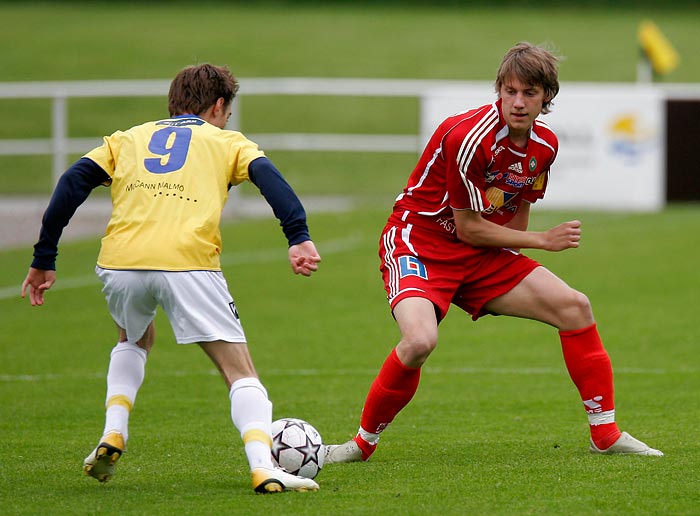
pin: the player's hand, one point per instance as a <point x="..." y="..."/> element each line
<point x="563" y="236"/>
<point x="304" y="258"/>
<point x="37" y="282"/>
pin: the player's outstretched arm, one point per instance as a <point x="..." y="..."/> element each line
<point x="304" y="258"/>
<point x="72" y="189"/>
<point x="473" y="229"/>
<point x="37" y="282"/>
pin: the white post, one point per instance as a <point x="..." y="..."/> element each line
<point x="234" y="124"/>
<point x="59" y="135"/>
<point x="645" y="74"/>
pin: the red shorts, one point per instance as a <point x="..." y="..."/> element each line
<point x="421" y="257"/>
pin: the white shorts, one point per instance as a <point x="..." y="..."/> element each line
<point x="197" y="303"/>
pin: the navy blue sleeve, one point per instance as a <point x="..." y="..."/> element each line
<point x="72" y="189"/>
<point x="279" y="195"/>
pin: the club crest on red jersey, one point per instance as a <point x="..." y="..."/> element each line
<point x="533" y="164"/>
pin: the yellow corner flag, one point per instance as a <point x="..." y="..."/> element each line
<point x="658" y="50"/>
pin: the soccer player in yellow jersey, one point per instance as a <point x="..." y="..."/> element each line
<point x="169" y="182"/>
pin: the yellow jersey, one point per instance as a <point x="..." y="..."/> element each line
<point x="170" y="182"/>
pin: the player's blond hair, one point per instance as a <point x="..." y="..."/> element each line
<point x="196" y="88"/>
<point x="533" y="65"/>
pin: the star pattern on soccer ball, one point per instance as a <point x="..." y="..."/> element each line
<point x="279" y="446"/>
<point x="309" y="449"/>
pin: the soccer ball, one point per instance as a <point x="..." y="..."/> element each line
<point x="297" y="447"/>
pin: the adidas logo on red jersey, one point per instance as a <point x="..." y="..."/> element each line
<point x="516" y="167"/>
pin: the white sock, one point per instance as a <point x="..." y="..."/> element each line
<point x="601" y="418"/>
<point x="251" y="412"/>
<point x="369" y="437"/>
<point x="127" y="368"/>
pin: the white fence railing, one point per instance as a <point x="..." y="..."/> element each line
<point x="603" y="141"/>
<point x="60" y="145"/>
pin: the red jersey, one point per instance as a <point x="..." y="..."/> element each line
<point x="470" y="163"/>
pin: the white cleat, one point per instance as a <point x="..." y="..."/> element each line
<point x="627" y="445"/>
<point x="276" y="480"/>
<point x="348" y="452"/>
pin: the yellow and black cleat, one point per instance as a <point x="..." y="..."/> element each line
<point x="101" y="462"/>
<point x="275" y="480"/>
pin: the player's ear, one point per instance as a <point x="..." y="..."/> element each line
<point x="220" y="104"/>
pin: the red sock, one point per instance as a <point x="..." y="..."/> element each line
<point x="591" y="371"/>
<point x="390" y="392"/>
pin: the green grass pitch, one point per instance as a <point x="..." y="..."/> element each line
<point x="496" y="426"/>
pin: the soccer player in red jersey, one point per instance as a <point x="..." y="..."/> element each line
<point x="454" y="238"/>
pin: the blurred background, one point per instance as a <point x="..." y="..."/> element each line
<point x="347" y="138"/>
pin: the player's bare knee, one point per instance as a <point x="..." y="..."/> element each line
<point x="575" y="312"/>
<point x="149" y="337"/>
<point x="146" y="345"/>
<point x="413" y="350"/>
